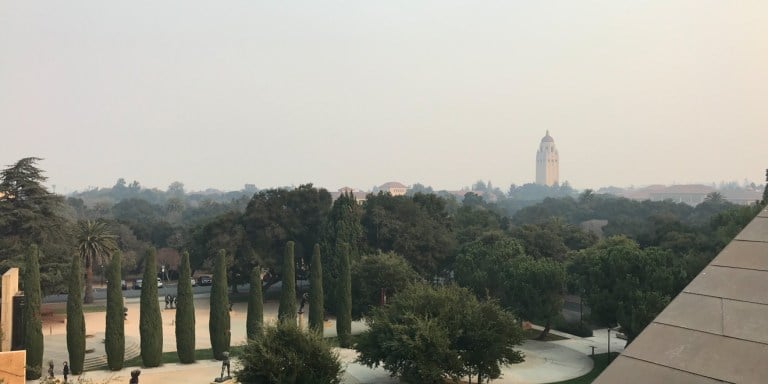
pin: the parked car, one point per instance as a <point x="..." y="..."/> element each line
<point x="204" y="280"/>
<point x="123" y="285"/>
<point x="194" y="282"/>
<point x="138" y="283"/>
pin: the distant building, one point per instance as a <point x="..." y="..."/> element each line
<point x="547" y="162"/>
<point x="691" y="194"/>
<point x="357" y="194"/>
<point x="393" y="188"/>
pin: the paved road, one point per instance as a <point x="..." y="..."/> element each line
<point x="100" y="293"/>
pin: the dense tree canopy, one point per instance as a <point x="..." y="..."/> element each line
<point x="276" y="216"/>
<point x="374" y="275"/>
<point x="418" y="228"/>
<point x="624" y="284"/>
<point x="483" y="266"/>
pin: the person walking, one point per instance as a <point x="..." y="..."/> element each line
<point x="65" y="371"/>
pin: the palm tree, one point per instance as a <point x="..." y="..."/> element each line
<point x="95" y="243"/>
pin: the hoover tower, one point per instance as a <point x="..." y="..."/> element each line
<point x="547" y="162"/>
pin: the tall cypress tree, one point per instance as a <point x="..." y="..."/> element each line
<point x="185" y="314"/>
<point x="287" y="310"/>
<point x="218" y="325"/>
<point x="33" y="324"/>
<point x="343" y="227"/>
<point x="344" y="306"/>
<point x="75" y="318"/>
<point x="150" y="320"/>
<point x="114" y="338"/>
<point x="255" y="321"/>
<point x="316" y="307"/>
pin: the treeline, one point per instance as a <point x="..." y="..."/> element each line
<point x="526" y="260"/>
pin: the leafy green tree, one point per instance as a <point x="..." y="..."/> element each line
<point x="626" y="285"/>
<point x="419" y="228"/>
<point x="483" y="266"/>
<point x="218" y="325"/>
<point x="344" y="306"/>
<point x="286" y="312"/>
<point x="29" y="214"/>
<point x="372" y="274"/>
<point x="33" y="324"/>
<point x="536" y="287"/>
<point x="114" y="334"/>
<point x="185" y="314"/>
<point x="316" y="307"/>
<point x="255" y="321"/>
<point x="288" y="355"/>
<point x="275" y="216"/>
<point x="419" y="337"/>
<point x="95" y="243"/>
<point x="474" y="218"/>
<point x="75" y="318"/>
<point x="150" y="320"/>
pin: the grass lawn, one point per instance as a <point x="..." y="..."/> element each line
<point x="532" y="334"/>
<point x="601" y="362"/>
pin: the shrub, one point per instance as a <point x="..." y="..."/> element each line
<point x="575" y="328"/>
<point x="288" y="355"/>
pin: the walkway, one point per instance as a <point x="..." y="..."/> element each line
<point x="545" y="361"/>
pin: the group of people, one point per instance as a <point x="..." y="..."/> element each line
<point x="170" y="301"/>
<point x="64" y="371"/>
<point x="134" y="374"/>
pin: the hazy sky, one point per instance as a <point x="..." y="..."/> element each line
<point x="223" y="93"/>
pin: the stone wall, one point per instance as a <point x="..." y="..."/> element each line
<point x="12" y="369"/>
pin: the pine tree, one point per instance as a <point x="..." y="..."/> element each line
<point x="218" y="325"/>
<point x="75" y="318"/>
<point x="185" y="314"/>
<point x="33" y="325"/>
<point x="114" y="338"/>
<point x="344" y="305"/>
<point x="150" y="320"/>
<point x="287" y="310"/>
<point x="255" y="321"/>
<point x="316" y="307"/>
<point x="30" y="214"/>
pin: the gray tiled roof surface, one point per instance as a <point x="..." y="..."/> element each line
<point x="716" y="330"/>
